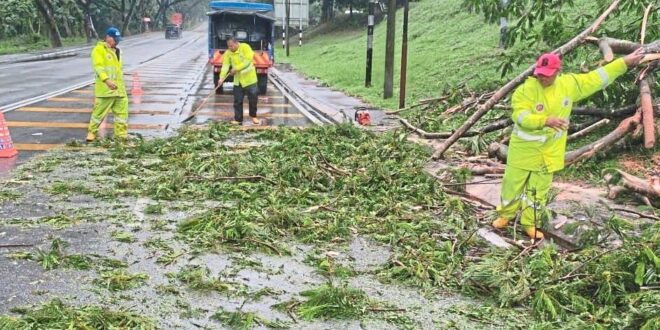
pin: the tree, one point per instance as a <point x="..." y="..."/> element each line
<point x="45" y="8"/>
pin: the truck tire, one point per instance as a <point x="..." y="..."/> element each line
<point x="262" y="83"/>
<point x="216" y="79"/>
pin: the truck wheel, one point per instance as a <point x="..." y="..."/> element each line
<point x="216" y="79"/>
<point x="263" y="84"/>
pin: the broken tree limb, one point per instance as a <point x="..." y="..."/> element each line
<point x="588" y="129"/>
<point x="486" y="169"/>
<point x="506" y="89"/>
<point x="647" y="113"/>
<point x="494" y="126"/>
<point x="588" y="151"/>
<point x="648" y="188"/>
<point x="609" y="112"/>
<point x="619" y="46"/>
<point x="498" y="150"/>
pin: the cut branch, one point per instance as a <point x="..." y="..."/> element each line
<point x="496" y="125"/>
<point x="588" y="130"/>
<point x="648" y="188"/>
<point x="647" y="113"/>
<point x="588" y="151"/>
<point x="506" y="89"/>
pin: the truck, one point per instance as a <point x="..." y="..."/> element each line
<point x="251" y="23"/>
<point x="174" y="30"/>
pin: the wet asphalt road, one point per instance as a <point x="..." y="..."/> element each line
<point x="21" y="81"/>
<point x="172" y="75"/>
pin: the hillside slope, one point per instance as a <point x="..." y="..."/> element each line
<point x="447" y="46"/>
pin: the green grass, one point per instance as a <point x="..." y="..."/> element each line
<point x="447" y="46"/>
<point x="33" y="43"/>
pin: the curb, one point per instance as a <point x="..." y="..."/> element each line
<point x="46" y="56"/>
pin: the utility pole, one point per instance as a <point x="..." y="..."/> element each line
<point x="404" y="57"/>
<point x="388" y="86"/>
<point x="370" y="42"/>
<point x="288" y="18"/>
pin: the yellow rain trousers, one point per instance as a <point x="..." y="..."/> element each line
<point x="107" y="64"/>
<point x="119" y="107"/>
<point x="535" y="151"/>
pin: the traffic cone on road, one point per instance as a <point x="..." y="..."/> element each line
<point x="7" y="149"/>
<point x="137" y="86"/>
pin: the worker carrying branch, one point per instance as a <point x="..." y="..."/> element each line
<point x="109" y="88"/>
<point x="239" y="57"/>
<point x="541" y="111"/>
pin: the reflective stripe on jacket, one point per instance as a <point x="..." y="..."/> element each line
<point x="241" y="60"/>
<point x="107" y="65"/>
<point x="533" y="146"/>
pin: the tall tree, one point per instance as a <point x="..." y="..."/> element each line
<point x="44" y="8"/>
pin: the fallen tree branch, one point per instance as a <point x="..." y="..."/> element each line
<point x="625" y="127"/>
<point x="647" y="113"/>
<point x="506" y="89"/>
<point x="471" y="198"/>
<point x="497" y="125"/>
<point x="588" y="129"/>
<point x="639" y="214"/>
<point x="650" y="188"/>
<point x="609" y="112"/>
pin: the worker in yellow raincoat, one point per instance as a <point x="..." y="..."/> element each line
<point x="541" y="110"/>
<point x="239" y="57"/>
<point x="109" y="88"/>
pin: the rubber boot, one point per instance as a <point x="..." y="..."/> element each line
<point x="90" y="137"/>
<point x="533" y="233"/>
<point x="500" y="223"/>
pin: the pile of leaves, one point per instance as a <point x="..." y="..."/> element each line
<point x="57" y="315"/>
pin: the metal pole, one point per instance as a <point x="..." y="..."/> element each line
<point x="504" y="25"/>
<point x="288" y="18"/>
<point x="404" y="57"/>
<point x="300" y="34"/>
<point x="388" y="86"/>
<point x="370" y="42"/>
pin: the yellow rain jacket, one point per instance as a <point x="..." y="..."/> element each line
<point x="534" y="147"/>
<point x="106" y="63"/>
<point x="241" y="60"/>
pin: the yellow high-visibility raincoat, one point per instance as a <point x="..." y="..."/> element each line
<point x="535" y="151"/>
<point x="241" y="60"/>
<point x="107" y="63"/>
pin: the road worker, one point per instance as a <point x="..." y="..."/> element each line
<point x="239" y="57"/>
<point x="109" y="88"/>
<point x="541" y="110"/>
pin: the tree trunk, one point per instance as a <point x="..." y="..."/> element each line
<point x="127" y="19"/>
<point x="54" y="33"/>
<point x="326" y="10"/>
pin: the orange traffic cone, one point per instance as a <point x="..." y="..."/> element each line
<point x="137" y="86"/>
<point x="7" y="149"/>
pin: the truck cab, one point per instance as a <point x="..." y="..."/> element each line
<point x="250" y="23"/>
